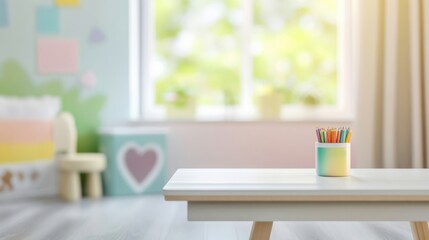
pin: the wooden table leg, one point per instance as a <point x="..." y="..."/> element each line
<point x="261" y="230"/>
<point x="420" y="230"/>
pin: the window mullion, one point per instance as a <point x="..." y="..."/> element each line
<point x="135" y="39"/>
<point x="246" y="57"/>
<point x="344" y="54"/>
<point x="147" y="51"/>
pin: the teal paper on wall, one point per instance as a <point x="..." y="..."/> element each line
<point x="136" y="160"/>
<point x="4" y="14"/>
<point x="47" y="20"/>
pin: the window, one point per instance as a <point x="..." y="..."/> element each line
<point x="244" y="59"/>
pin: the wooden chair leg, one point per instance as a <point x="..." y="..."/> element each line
<point x="261" y="230"/>
<point x="420" y="230"/>
<point x="70" y="188"/>
<point x="93" y="185"/>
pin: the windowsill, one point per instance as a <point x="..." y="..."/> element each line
<point x="288" y="115"/>
<point x="256" y="121"/>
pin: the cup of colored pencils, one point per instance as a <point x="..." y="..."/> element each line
<point x="333" y="151"/>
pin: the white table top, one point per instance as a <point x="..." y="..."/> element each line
<point x="297" y="185"/>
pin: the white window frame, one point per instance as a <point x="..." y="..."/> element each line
<point x="142" y="47"/>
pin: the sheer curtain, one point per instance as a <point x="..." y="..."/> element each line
<point x="392" y="82"/>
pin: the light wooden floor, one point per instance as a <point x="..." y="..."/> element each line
<point x="151" y="218"/>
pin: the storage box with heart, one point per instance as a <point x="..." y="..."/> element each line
<point x="136" y="160"/>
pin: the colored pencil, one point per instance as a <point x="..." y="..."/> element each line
<point x="334" y="135"/>
<point x="318" y="135"/>
<point x="349" y="136"/>
<point x="338" y="135"/>
<point x="329" y="135"/>
<point x="322" y="134"/>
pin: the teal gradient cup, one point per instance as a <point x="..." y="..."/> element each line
<point x="333" y="159"/>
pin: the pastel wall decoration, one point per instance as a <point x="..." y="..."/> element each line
<point x="47" y="20"/>
<point x="88" y="79"/>
<point x="97" y="35"/>
<point x="67" y="3"/>
<point x="136" y="160"/>
<point x="57" y="56"/>
<point x="4" y="14"/>
<point x="109" y="60"/>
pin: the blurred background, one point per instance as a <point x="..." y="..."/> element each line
<point x="202" y="83"/>
<point x="291" y="46"/>
<point x="233" y="81"/>
<point x="204" y="69"/>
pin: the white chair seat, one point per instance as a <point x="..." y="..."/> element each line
<point x="83" y="162"/>
<point x="72" y="164"/>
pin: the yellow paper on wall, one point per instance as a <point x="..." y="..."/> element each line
<point x="67" y="3"/>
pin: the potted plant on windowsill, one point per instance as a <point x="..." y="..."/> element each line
<point x="180" y="103"/>
<point x="309" y="97"/>
<point x="270" y="100"/>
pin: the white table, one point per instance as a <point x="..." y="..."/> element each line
<point x="267" y="195"/>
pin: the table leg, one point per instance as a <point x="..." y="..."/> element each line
<point x="420" y="230"/>
<point x="261" y="230"/>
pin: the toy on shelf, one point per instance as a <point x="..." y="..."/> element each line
<point x="27" y="147"/>
<point x="71" y="164"/>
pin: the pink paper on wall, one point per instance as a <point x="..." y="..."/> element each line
<point x="57" y="55"/>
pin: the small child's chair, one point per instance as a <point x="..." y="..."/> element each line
<point x="71" y="164"/>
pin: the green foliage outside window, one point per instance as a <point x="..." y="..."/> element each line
<point x="293" y="46"/>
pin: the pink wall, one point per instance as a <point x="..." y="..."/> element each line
<point x="243" y="144"/>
